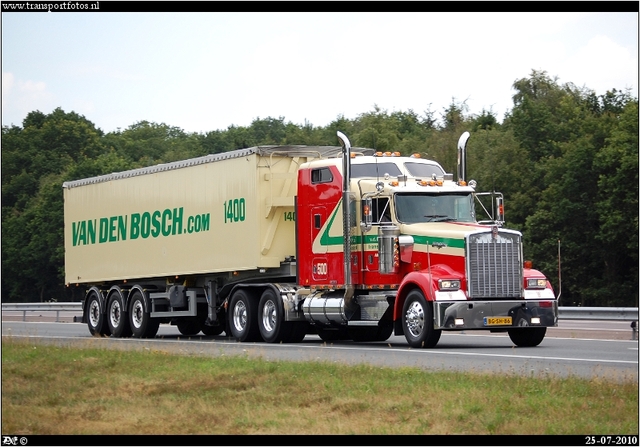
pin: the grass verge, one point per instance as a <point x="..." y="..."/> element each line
<point x="50" y="390"/>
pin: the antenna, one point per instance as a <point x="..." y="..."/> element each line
<point x="559" y="275"/>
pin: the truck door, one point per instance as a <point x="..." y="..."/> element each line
<point x="319" y="193"/>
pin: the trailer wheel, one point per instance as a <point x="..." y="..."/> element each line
<point x="243" y="317"/>
<point x="271" y="322"/>
<point x="95" y="318"/>
<point x="142" y="325"/>
<point x="417" y="321"/>
<point x="117" y="316"/>
<point x="527" y="337"/>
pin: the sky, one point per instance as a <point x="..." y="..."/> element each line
<point x="208" y="71"/>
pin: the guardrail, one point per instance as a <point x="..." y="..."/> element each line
<point x="42" y="307"/>
<point x="564" y="313"/>
<point x="598" y="313"/>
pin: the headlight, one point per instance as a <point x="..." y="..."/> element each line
<point x="536" y="283"/>
<point x="449" y="284"/>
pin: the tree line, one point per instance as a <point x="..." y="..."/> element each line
<point x="565" y="159"/>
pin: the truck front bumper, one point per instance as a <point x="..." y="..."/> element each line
<point x="496" y="315"/>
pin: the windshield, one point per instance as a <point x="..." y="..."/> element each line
<point x="415" y="208"/>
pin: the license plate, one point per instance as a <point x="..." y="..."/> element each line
<point x="498" y="321"/>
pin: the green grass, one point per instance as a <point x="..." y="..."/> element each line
<point x="60" y="390"/>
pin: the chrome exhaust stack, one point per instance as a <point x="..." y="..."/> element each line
<point x="462" y="157"/>
<point x="346" y="218"/>
<point x="329" y="308"/>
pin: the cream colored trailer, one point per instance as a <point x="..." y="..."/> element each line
<point x="183" y="242"/>
<point x="228" y="212"/>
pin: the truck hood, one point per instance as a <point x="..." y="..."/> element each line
<point x="442" y="230"/>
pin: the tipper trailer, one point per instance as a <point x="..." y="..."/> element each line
<point x="256" y="243"/>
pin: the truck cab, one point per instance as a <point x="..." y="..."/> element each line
<point x="419" y="256"/>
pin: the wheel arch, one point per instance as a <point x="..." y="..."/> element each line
<point x="145" y="297"/>
<point x="124" y="294"/>
<point x="414" y="280"/>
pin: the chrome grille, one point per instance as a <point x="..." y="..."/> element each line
<point x="494" y="264"/>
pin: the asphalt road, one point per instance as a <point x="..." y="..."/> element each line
<point x="584" y="348"/>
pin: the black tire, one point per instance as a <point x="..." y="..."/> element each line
<point x="417" y="321"/>
<point x="141" y="323"/>
<point x="96" y="319"/>
<point x="527" y="337"/>
<point x="243" y="316"/>
<point x="271" y="324"/>
<point x="117" y="315"/>
<point x="189" y="326"/>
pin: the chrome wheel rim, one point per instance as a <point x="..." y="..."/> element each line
<point x="115" y="313"/>
<point x="94" y="313"/>
<point x="240" y="316"/>
<point x="136" y="314"/>
<point x="269" y="316"/>
<point x="415" y="319"/>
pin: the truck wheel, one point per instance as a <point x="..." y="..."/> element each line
<point x="95" y="318"/>
<point x="529" y="337"/>
<point x="271" y="322"/>
<point x="117" y="316"/>
<point x="417" y="321"/>
<point x="141" y="323"/>
<point x="243" y="317"/>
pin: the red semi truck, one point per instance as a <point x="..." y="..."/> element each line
<point x="272" y="243"/>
